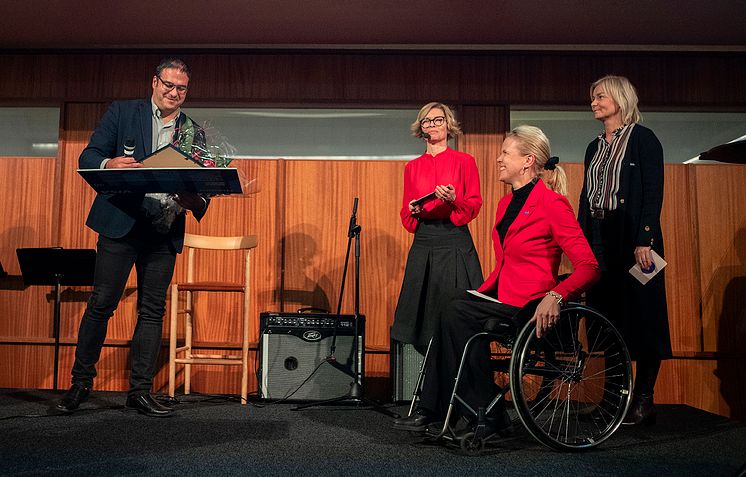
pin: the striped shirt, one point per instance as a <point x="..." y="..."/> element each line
<point x="604" y="170"/>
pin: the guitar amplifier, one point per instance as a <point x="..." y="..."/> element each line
<point x="293" y="352"/>
<point x="405" y="362"/>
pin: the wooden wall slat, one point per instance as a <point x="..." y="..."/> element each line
<point x="26" y="223"/>
<point x="680" y="240"/>
<point x="26" y="366"/>
<point x="721" y="213"/>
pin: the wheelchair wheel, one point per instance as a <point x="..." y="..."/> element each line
<point x="471" y="445"/>
<point x="571" y="388"/>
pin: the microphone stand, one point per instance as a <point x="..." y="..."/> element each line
<point x="356" y="393"/>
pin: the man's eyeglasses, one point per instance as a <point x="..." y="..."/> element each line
<point x="436" y="121"/>
<point x="181" y="89"/>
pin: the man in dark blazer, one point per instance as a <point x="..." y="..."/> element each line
<point x="141" y="230"/>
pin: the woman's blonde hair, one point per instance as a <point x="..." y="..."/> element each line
<point x="452" y="126"/>
<point x="532" y="140"/>
<point x="625" y="95"/>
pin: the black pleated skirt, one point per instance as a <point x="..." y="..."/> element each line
<point x="442" y="260"/>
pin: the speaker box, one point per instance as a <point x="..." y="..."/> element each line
<point x="293" y="345"/>
<point x="406" y="362"/>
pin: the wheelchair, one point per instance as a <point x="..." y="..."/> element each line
<point x="570" y="388"/>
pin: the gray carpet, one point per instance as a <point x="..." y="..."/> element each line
<point x="220" y="437"/>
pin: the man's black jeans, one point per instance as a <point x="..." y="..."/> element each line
<point x="154" y="258"/>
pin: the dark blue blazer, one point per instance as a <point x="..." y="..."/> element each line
<point x="115" y="215"/>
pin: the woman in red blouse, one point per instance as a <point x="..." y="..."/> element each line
<point x="442" y="257"/>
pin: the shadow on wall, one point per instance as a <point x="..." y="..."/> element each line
<point x="381" y="270"/>
<point x="732" y="328"/>
<point x="304" y="283"/>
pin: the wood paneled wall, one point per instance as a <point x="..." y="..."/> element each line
<point x="302" y="211"/>
<point x="663" y="79"/>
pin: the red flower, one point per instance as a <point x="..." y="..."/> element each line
<point x="208" y="163"/>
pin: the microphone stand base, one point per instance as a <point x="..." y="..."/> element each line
<point x="354" y="396"/>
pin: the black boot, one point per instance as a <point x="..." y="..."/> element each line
<point x="641" y="411"/>
<point x="417" y="422"/>
<point x="500" y="424"/>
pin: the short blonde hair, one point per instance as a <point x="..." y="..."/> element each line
<point x="625" y="95"/>
<point x="452" y="126"/>
<point x="532" y="140"/>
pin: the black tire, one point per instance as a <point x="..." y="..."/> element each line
<point x="571" y="388"/>
<point x="470" y="445"/>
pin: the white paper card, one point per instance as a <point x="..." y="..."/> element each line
<point x="643" y="277"/>
<point x="483" y="296"/>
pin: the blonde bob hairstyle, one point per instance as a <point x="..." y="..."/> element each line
<point x="532" y="140"/>
<point x="625" y="95"/>
<point x="452" y="126"/>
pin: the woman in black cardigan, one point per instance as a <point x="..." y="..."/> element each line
<point x="619" y="211"/>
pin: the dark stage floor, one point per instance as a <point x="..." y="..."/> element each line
<point x="221" y="437"/>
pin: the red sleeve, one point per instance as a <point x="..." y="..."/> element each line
<point x="408" y="221"/>
<point x="566" y="231"/>
<point x="469" y="199"/>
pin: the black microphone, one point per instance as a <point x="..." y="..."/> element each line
<point x="129" y="147"/>
<point x="425" y="136"/>
<point x="353" y="227"/>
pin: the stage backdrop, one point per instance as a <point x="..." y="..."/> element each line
<point x="301" y="214"/>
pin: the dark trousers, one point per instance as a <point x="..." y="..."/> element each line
<point x="154" y="258"/>
<point x="464" y="316"/>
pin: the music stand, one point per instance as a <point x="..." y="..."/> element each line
<point x="56" y="266"/>
<point x="201" y="180"/>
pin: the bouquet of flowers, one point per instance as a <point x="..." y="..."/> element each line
<point x="206" y="146"/>
<point x="193" y="140"/>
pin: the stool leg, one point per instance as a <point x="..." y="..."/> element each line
<point x="172" y="341"/>
<point x="188" y="317"/>
<point x="245" y="342"/>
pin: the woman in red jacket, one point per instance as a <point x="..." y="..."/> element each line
<point x="442" y="258"/>
<point x="534" y="225"/>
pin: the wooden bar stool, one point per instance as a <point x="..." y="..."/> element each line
<point x="192" y="243"/>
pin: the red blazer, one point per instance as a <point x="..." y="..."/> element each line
<point x="528" y="261"/>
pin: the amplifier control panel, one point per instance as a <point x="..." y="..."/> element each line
<point x="308" y="320"/>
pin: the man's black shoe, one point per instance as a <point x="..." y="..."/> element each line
<point x="73" y="398"/>
<point x="417" y="422"/>
<point x="145" y="404"/>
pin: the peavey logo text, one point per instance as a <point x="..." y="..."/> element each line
<point x="311" y="335"/>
